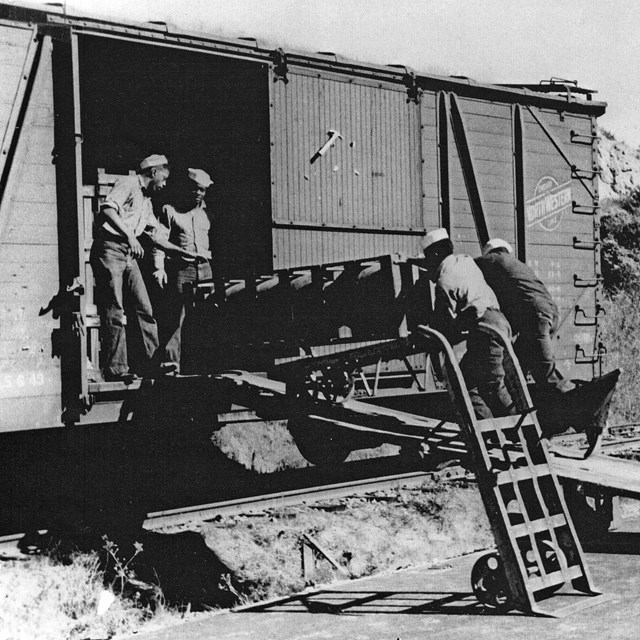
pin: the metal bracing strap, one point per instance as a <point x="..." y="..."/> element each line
<point x="556" y="144"/>
<point x="518" y="171"/>
<point x="468" y="171"/>
<point x="443" y="161"/>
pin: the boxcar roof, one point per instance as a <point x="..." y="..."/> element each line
<point x="557" y="94"/>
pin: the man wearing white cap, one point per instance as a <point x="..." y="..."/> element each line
<point x="463" y="301"/>
<point x="126" y="214"/>
<point x="187" y="225"/>
<point x="529" y="308"/>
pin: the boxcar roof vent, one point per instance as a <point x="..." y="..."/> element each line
<point x="160" y="25"/>
<point x="466" y="79"/>
<point x="401" y="66"/>
<point x="249" y="39"/>
<point x="335" y="56"/>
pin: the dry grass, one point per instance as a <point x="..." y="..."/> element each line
<point x="392" y="530"/>
<point x="44" y="599"/>
<point x="620" y="336"/>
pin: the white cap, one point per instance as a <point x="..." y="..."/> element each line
<point x="154" y="160"/>
<point x="435" y="236"/>
<point x="496" y="243"/>
<point x="201" y="178"/>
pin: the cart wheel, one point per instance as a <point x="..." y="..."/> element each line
<point x="332" y="383"/>
<point x="489" y="582"/>
<point x="319" y="443"/>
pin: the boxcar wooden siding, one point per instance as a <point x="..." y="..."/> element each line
<point x="382" y="176"/>
<point x="29" y="374"/>
<point x="369" y="179"/>
<point x="14" y="45"/>
<point x="550" y="244"/>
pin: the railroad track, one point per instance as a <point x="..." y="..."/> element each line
<point x="618" y="438"/>
<point x="625" y="437"/>
<point x="177" y="517"/>
<point x="255" y="504"/>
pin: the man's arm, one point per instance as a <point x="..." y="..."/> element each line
<point x="117" y="223"/>
<point x="160" y="241"/>
<point x="443" y="319"/>
<point x="163" y="230"/>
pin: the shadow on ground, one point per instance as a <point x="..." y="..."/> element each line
<point x="382" y="602"/>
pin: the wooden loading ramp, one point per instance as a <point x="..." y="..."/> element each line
<point x="615" y="474"/>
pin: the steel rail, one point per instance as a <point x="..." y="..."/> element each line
<point x="185" y="515"/>
<point x="201" y="513"/>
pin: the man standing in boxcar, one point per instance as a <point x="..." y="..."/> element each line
<point x="188" y="227"/>
<point x="464" y="302"/>
<point x="126" y="214"/>
<point x="529" y="308"/>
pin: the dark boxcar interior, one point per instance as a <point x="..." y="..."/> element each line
<point x="202" y="111"/>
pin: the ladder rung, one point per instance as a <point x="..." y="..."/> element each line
<point x="537" y="583"/>
<point x="503" y="424"/>
<point x="523" y="473"/>
<point x="537" y="526"/>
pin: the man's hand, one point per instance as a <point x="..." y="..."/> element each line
<point x="196" y="257"/>
<point x="136" y="248"/>
<point x="160" y="276"/>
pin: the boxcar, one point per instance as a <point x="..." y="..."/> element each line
<point x="317" y="160"/>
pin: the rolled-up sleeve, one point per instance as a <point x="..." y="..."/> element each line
<point x="120" y="195"/>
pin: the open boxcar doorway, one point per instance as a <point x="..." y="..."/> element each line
<point x="201" y="110"/>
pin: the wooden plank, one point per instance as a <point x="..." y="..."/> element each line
<point x="601" y="470"/>
<point x="41" y="411"/>
<point x="29" y="254"/>
<point x="485" y="108"/>
<point x="31" y="234"/>
<point x="538" y="526"/>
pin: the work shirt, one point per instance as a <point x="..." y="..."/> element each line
<point x="522" y="296"/>
<point x="133" y="207"/>
<point x="187" y="229"/>
<point x="462" y="291"/>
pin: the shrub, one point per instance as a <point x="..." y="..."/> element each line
<point x="620" y="234"/>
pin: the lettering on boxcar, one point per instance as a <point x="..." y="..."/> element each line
<point x="549" y="202"/>
<point x="21" y="383"/>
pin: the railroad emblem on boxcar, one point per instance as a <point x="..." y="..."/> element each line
<point x="549" y="202"/>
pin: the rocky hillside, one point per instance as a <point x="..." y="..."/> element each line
<point x="619" y="167"/>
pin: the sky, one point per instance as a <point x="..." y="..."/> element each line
<point x="595" y="42"/>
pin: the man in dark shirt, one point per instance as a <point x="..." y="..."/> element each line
<point x="187" y="225"/>
<point x="529" y="308"/>
<point x="464" y="302"/>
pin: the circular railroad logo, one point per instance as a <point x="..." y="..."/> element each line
<point x="550" y="200"/>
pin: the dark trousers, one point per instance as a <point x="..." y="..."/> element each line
<point x="119" y="281"/>
<point x="534" y="348"/>
<point x="483" y="370"/>
<point x="179" y="278"/>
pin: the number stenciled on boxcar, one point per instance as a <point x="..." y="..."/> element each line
<point x="13" y="383"/>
